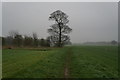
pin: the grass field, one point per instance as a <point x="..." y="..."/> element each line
<point x="79" y="61"/>
<point x="94" y="62"/>
<point x="0" y="63"/>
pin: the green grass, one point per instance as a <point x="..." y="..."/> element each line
<point x="94" y="62"/>
<point x="33" y="64"/>
<point x="85" y="62"/>
<point x="0" y="63"/>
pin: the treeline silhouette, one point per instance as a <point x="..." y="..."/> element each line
<point x="17" y="40"/>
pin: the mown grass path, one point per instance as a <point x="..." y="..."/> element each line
<point x="67" y="63"/>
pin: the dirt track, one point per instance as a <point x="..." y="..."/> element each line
<point x="67" y="63"/>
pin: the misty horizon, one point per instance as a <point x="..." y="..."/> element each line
<point x="91" y="22"/>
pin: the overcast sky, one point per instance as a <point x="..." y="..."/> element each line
<point x="90" y="21"/>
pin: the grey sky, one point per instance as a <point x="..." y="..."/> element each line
<point x="90" y="21"/>
<point x="0" y="18"/>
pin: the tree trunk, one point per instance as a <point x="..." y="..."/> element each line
<point x="59" y="43"/>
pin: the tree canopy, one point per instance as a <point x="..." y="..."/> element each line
<point x="60" y="30"/>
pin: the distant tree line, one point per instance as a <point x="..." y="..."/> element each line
<point x="113" y="42"/>
<point x="58" y="34"/>
<point x="17" y="40"/>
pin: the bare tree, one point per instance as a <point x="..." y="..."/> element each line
<point x="35" y="38"/>
<point x="28" y="41"/>
<point x="13" y="38"/>
<point x="60" y="30"/>
<point x="42" y="42"/>
<point x="13" y="33"/>
<point x="18" y="40"/>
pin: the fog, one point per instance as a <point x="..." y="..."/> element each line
<point x="90" y="21"/>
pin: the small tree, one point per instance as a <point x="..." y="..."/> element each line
<point x="13" y="33"/>
<point x="9" y="41"/>
<point x="42" y="42"/>
<point x="35" y="38"/>
<point x="18" y="40"/>
<point x="114" y="42"/>
<point x="48" y="42"/>
<point x="60" y="30"/>
<point x="28" y="41"/>
<point x="3" y="41"/>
